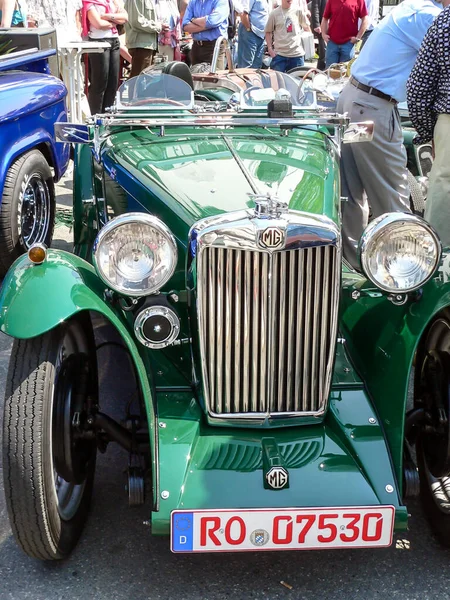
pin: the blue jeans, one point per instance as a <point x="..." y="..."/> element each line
<point x="337" y="53"/>
<point x="250" y="49"/>
<point x="286" y="63"/>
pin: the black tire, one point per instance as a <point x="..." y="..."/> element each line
<point x="434" y="490"/>
<point x="22" y="221"/>
<point x="46" y="512"/>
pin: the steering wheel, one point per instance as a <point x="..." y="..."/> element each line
<point x="246" y="93"/>
<point x="309" y="74"/>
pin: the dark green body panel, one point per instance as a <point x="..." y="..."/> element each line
<point x="186" y="177"/>
<point x="382" y="339"/>
<point x="342" y="462"/>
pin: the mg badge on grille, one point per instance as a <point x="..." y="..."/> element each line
<point x="272" y="237"/>
<point x="277" y="478"/>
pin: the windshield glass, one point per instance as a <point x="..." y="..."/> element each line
<point x="270" y="85"/>
<point x="154" y="90"/>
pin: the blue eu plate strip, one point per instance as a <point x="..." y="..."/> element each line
<point x="182" y="532"/>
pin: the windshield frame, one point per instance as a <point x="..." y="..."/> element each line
<point x="186" y="103"/>
<point x="243" y="106"/>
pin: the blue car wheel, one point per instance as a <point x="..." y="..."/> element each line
<point x="27" y="212"/>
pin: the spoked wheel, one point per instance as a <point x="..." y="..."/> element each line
<point x="432" y="394"/>
<point x="34" y="218"/>
<point x="27" y="212"/>
<point x="48" y="454"/>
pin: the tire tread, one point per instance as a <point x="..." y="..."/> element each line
<point x="23" y="469"/>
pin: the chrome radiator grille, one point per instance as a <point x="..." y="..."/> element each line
<point x="267" y="329"/>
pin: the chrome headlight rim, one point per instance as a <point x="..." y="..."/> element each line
<point x="127" y="219"/>
<point x="385" y="221"/>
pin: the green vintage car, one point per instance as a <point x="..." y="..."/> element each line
<point x="272" y="378"/>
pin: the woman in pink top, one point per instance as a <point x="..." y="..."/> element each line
<point x="100" y="20"/>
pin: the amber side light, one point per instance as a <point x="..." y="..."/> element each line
<point x="37" y="254"/>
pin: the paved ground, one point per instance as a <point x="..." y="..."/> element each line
<point x="118" y="559"/>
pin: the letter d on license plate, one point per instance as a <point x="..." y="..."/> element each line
<point x="281" y="529"/>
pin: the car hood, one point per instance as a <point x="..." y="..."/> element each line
<point x="203" y="176"/>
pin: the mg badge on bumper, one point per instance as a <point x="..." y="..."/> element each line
<point x="277" y="478"/>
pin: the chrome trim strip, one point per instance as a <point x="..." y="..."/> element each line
<point x="299" y="346"/>
<point x="281" y="329"/>
<point x="307" y="330"/>
<point x="326" y="313"/>
<point x="334" y="306"/>
<point x="264" y="324"/>
<point x="318" y="282"/>
<point x="255" y="335"/>
<point x="292" y="309"/>
<point x="228" y="330"/>
<point x="220" y="316"/>
<point x="247" y="325"/>
<point x="221" y="120"/>
<point x="212" y="305"/>
<point x="273" y="321"/>
<point x="240" y="164"/>
<point x="237" y="327"/>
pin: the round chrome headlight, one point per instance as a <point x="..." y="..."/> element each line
<point x="399" y="252"/>
<point x="135" y="254"/>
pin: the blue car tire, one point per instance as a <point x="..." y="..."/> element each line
<point x="27" y="211"/>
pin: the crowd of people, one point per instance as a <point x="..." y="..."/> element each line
<point x="133" y="29"/>
<point x="405" y="56"/>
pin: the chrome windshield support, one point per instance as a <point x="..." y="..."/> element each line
<point x="222" y="40"/>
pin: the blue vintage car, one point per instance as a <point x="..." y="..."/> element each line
<point x="31" y="101"/>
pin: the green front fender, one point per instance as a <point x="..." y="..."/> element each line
<point x="382" y="339"/>
<point x="36" y="298"/>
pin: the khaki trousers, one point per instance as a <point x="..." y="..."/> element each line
<point x="372" y="173"/>
<point x="437" y="206"/>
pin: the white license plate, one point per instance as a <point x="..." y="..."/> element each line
<point x="281" y="529"/>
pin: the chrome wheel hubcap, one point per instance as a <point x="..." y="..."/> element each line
<point x="35" y="212"/>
